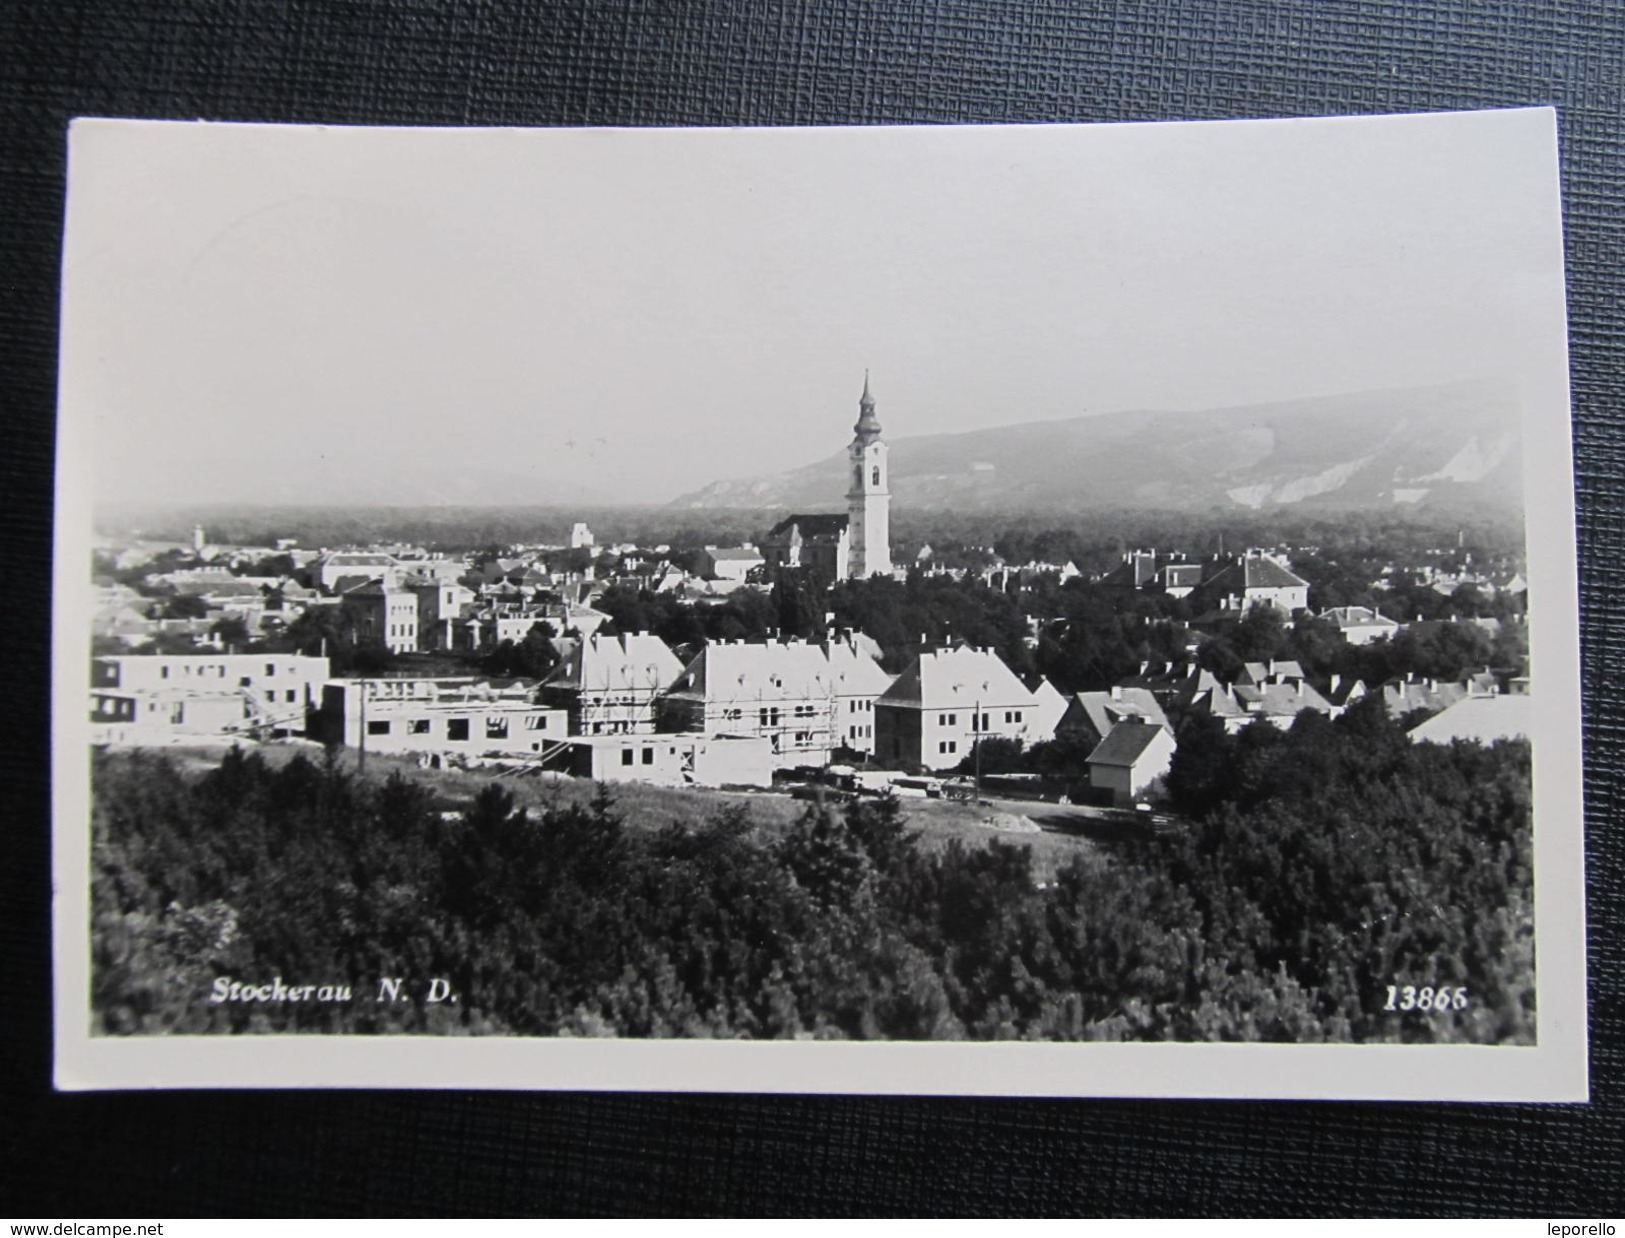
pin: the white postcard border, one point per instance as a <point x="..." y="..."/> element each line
<point x="1555" y="1069"/>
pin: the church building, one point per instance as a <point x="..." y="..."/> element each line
<point x="854" y="546"/>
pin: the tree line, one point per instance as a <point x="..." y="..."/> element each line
<point x="1314" y="868"/>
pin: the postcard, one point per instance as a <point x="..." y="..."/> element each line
<point x="1032" y="610"/>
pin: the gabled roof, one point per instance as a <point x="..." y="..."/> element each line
<point x="734" y="554"/>
<point x="811" y="528"/>
<point x="1275" y="670"/>
<point x="1138" y="568"/>
<point x="376" y="587"/>
<point x="1403" y="695"/>
<point x="358" y="558"/>
<point x="1252" y="572"/>
<point x="636" y="662"/>
<point x="1345" y="691"/>
<point x="1105" y="710"/>
<point x="1214" y="702"/>
<point x="1125" y="744"/>
<point x="1280" y="700"/>
<point x="854" y="670"/>
<point x="765" y="672"/>
<point x="957" y="678"/>
<point x="1482" y="718"/>
<point x="1357" y="617"/>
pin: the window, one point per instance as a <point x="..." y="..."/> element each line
<point x="947" y="746"/>
<point x="418" y="726"/>
<point x="244" y="682"/>
<point x="496" y="728"/>
<point x="377" y="727"/>
<point x="535" y="722"/>
<point x="177" y="713"/>
<point x="648" y="756"/>
<point x="877" y="475"/>
<point x="457" y="728"/>
<point x="949" y="719"/>
<point x="163" y="672"/>
<point x="293" y="695"/>
<point x="270" y="668"/>
<point x="626" y="756"/>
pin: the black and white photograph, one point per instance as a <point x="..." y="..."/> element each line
<point x="1046" y="609"/>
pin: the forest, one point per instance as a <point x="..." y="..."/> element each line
<point x="1308" y="871"/>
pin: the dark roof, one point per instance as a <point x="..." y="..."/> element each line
<point x="811" y="527"/>
<point x="1125" y="743"/>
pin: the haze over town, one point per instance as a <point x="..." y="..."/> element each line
<point x="421" y="318"/>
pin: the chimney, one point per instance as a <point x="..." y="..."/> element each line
<point x="1144" y="666"/>
<point x="1117" y="693"/>
<point x="1336" y="679"/>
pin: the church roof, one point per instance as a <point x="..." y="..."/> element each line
<point x="868" y="426"/>
<point x="812" y="528"/>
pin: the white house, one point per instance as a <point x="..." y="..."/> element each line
<point x="476" y="717"/>
<point x="1133" y="755"/>
<point x="1360" y="625"/>
<point x="947" y="699"/>
<point x="610" y="684"/>
<point x="782" y="691"/>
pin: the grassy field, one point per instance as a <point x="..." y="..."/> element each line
<point x="1055" y="835"/>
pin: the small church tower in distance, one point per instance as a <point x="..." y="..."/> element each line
<point x="868" y="500"/>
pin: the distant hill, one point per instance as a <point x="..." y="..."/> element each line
<point x="1434" y="446"/>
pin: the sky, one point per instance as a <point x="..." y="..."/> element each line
<point x="265" y="314"/>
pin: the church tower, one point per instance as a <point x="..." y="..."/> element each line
<point x="868" y="499"/>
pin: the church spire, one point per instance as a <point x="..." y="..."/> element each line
<point x="868" y="426"/>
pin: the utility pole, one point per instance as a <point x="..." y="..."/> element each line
<point x="361" y="747"/>
<point x="976" y="749"/>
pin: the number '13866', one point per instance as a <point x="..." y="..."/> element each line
<point x="1410" y="997"/>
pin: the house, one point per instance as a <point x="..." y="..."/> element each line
<point x="1360" y="625"/>
<point x="730" y="563"/>
<point x="669" y="760"/>
<point x="1402" y="696"/>
<point x="1481" y="719"/>
<point x="1172" y="574"/>
<point x="1257" y="578"/>
<point x="1090" y="716"/>
<point x="1133" y="755"/>
<point x="440" y="604"/>
<point x="781" y="691"/>
<point x="142" y="698"/>
<point x="459" y="715"/>
<point x="854" y="668"/>
<point x="820" y="542"/>
<point x="1280" y="701"/>
<point x="381" y="613"/>
<point x="947" y="699"/>
<point x="610" y="684"/>
<point x="1276" y="670"/>
<point x="1215" y="700"/>
<point x="340" y="570"/>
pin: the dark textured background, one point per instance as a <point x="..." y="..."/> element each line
<point x="661" y="62"/>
